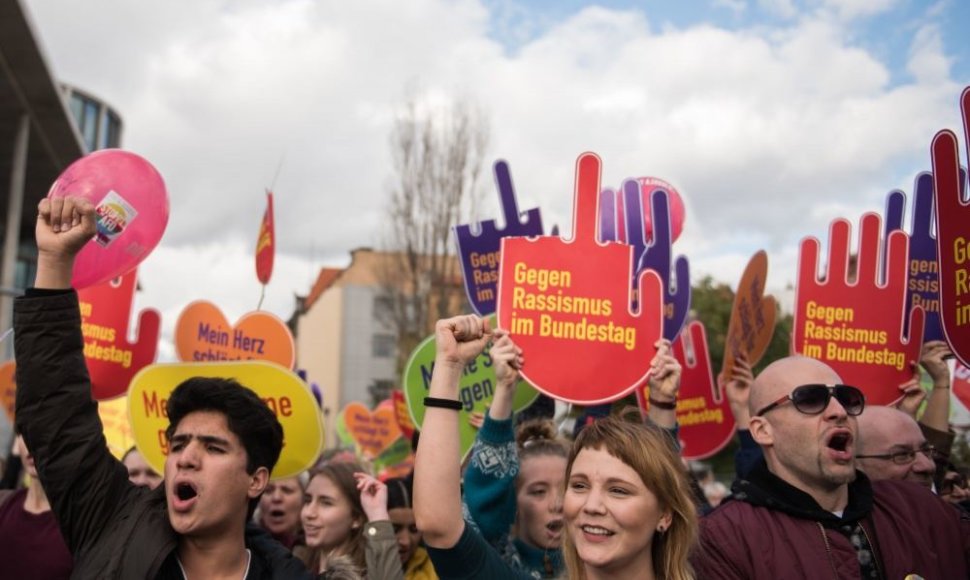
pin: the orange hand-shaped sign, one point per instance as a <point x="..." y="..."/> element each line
<point x="857" y="327"/>
<point x="752" y="317"/>
<point x="953" y="236"/>
<point x="202" y="334"/>
<point x="568" y="306"/>
<point x="111" y="358"/>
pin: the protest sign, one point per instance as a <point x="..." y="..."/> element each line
<point x="476" y="389"/>
<point x="372" y="432"/>
<point x="656" y="255"/>
<point x="952" y="237"/>
<point x="703" y="411"/>
<point x="676" y="214"/>
<point x="8" y="387"/>
<point x="478" y="244"/>
<point x="283" y="392"/>
<point x="401" y="413"/>
<point x="202" y="333"/>
<point x="856" y="326"/>
<point x="752" y="322"/>
<point x="395" y="454"/>
<point x="115" y="425"/>
<point x="111" y="358"/>
<point x="924" y="277"/>
<point x="567" y="304"/>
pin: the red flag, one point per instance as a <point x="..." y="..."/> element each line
<point x="265" y="246"/>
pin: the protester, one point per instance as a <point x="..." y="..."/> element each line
<point x="29" y="537"/>
<point x="139" y="471"/>
<point x="804" y="511"/>
<point x="223" y="443"/>
<point x="954" y="488"/>
<point x="516" y="478"/>
<point x="627" y="507"/>
<point x="414" y="558"/>
<point x="892" y="446"/>
<point x="279" y="510"/>
<point x="345" y="514"/>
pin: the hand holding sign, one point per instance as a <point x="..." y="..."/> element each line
<point x="924" y="280"/>
<point x="567" y="306"/>
<point x="479" y="252"/>
<point x="657" y="253"/>
<point x="953" y="242"/>
<point x="703" y="412"/>
<point x="857" y="327"/>
<point x="112" y="359"/>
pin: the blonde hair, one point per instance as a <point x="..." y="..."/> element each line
<point x="650" y="452"/>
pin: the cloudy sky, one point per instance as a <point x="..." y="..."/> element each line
<point x="772" y="117"/>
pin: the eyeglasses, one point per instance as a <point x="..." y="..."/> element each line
<point x="905" y="457"/>
<point x="813" y="399"/>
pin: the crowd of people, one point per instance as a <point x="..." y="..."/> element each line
<point x="826" y="486"/>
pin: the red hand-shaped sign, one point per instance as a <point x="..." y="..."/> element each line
<point x="857" y="327"/>
<point x="111" y="358"/>
<point x="703" y="412"/>
<point x="953" y="236"/>
<point x="568" y="306"/>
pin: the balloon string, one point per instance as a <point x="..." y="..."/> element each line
<point x="262" y="294"/>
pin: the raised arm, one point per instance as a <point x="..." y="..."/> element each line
<point x="494" y="464"/>
<point x="54" y="408"/>
<point x="664" y="386"/>
<point x="437" y="477"/>
<point x="737" y="389"/>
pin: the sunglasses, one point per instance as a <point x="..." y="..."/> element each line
<point x="813" y="399"/>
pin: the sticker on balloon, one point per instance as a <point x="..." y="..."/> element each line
<point x="114" y="214"/>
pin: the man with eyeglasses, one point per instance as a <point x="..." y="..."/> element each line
<point x="804" y="511"/>
<point x="892" y="446"/>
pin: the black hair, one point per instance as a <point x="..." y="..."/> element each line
<point x="247" y="416"/>
<point x="398" y="492"/>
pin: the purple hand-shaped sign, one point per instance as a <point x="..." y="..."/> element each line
<point x="480" y="251"/>
<point x="924" y="278"/>
<point x="652" y="254"/>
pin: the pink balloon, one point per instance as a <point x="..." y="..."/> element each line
<point x="676" y="206"/>
<point x="132" y="208"/>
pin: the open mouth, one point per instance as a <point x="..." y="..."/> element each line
<point x="554" y="526"/>
<point x="839" y="443"/>
<point x="185" y="491"/>
<point x="277" y="514"/>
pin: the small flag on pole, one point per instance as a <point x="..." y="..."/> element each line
<point x="265" y="246"/>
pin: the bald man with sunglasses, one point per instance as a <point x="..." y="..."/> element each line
<point x="805" y="511"/>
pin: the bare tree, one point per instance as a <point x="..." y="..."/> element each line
<point x="438" y="153"/>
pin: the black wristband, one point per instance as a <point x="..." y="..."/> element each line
<point x="443" y="403"/>
<point x="670" y="406"/>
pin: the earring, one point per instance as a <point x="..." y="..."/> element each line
<point x="661" y="528"/>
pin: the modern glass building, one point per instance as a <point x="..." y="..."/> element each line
<point x="99" y="124"/>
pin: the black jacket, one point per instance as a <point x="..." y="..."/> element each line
<point x="113" y="528"/>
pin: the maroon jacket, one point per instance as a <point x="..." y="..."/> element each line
<point x="772" y="530"/>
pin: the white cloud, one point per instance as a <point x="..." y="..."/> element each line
<point x="769" y="132"/>
<point x="927" y="61"/>
<point x="852" y="9"/>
